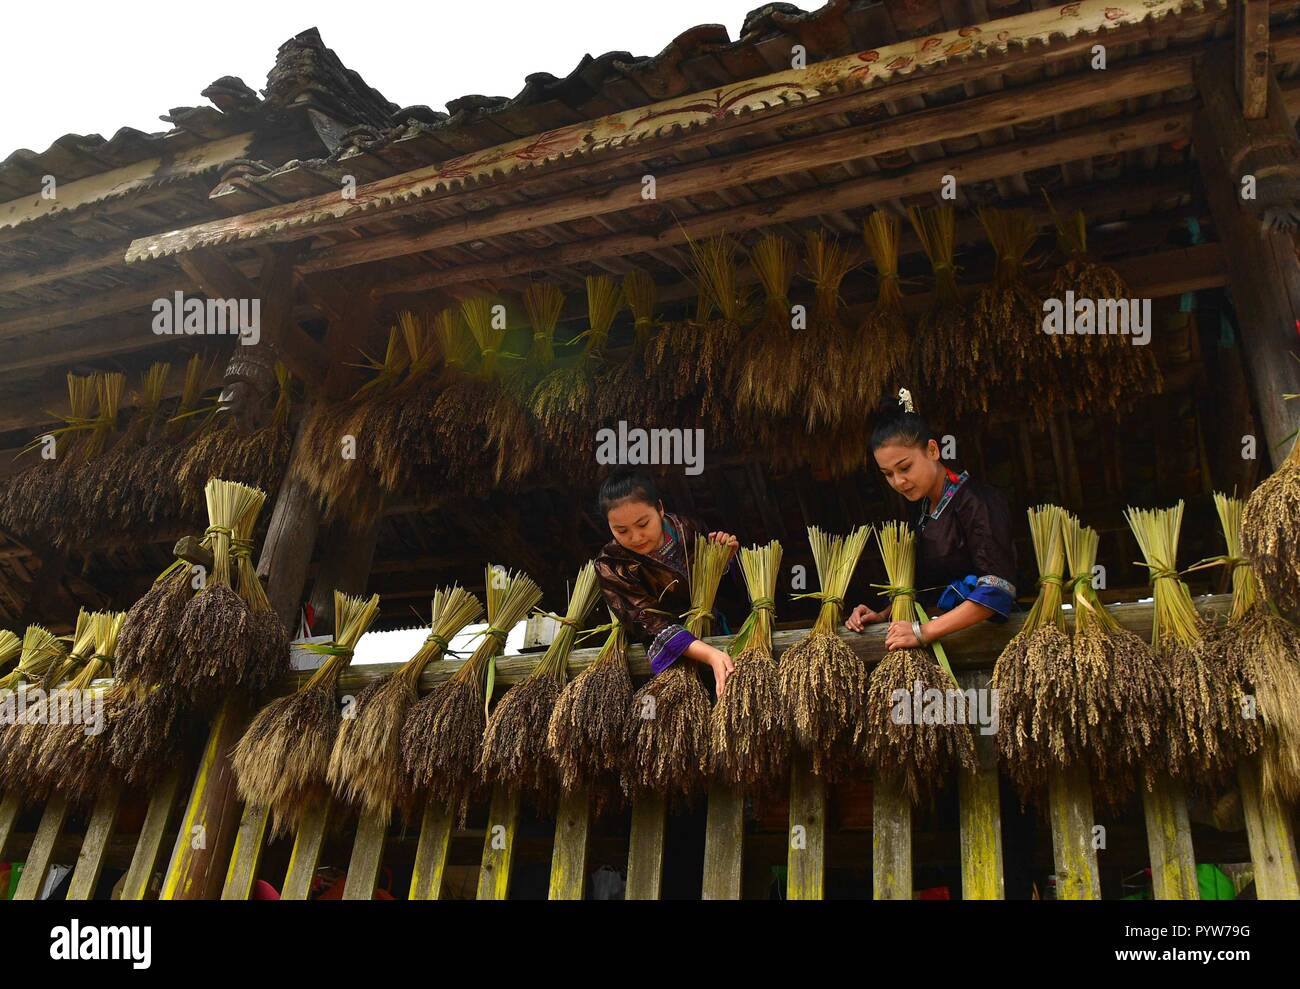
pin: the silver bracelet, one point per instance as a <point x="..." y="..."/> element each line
<point x="916" y="630"/>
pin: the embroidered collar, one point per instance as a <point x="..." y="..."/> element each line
<point x="951" y="486"/>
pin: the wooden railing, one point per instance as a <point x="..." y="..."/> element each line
<point x="972" y="653"/>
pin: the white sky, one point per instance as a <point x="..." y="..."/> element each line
<point x="88" y="66"/>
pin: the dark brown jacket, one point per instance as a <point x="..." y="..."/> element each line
<point x="637" y="587"/>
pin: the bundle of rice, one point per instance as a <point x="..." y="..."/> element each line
<point x="442" y="739"/>
<point x="1270" y="533"/>
<point x="630" y="390"/>
<point x="157" y="464"/>
<point x="823" y="682"/>
<point x="751" y="742"/>
<point x="947" y="354"/>
<point x="114" y="484"/>
<point x="884" y="342"/>
<point x="282" y="759"/>
<point x="219" y="648"/>
<point x="1116" y="692"/>
<point x="668" y="725"/>
<point x="1107" y="373"/>
<point x="514" y="743"/>
<point x="764" y="388"/>
<point x="510" y="431"/>
<point x="20" y="737"/>
<point x="1208" y="730"/>
<point x="10" y="647"/>
<point x="911" y="753"/>
<point x="365" y="763"/>
<point x="150" y="640"/>
<point x="442" y="424"/>
<point x="1265" y="650"/>
<point x="826" y="349"/>
<point x="693" y="355"/>
<point x="268" y="639"/>
<point x="563" y="400"/>
<point x="73" y="759"/>
<point x="1006" y="323"/>
<point x="40" y="652"/>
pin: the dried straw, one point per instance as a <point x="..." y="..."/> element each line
<point x="1270" y="533"/>
<point x="282" y="760"/>
<point x="823" y="681"/>
<point x="885" y="343"/>
<point x="668" y="724"/>
<point x="510" y="430"/>
<point x="514" y="744"/>
<point x="751" y="741"/>
<point x="910" y="752"/>
<point x="826" y="349"/>
<point x="764" y="388"/>
<point x="268" y="647"/>
<point x="365" y="764"/>
<point x="150" y="640"/>
<point x="630" y="390"/>
<point x="10" y="647"/>
<point x="442" y="739"/>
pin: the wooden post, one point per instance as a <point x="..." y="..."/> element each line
<point x="499" y="845"/>
<point x="246" y="855"/>
<point x="48" y="833"/>
<point x="724" y="843"/>
<point x="367" y="856"/>
<point x="806" y="862"/>
<point x="1251" y="172"/>
<point x="1169" y="841"/>
<point x="1070" y="809"/>
<point x="431" y="853"/>
<point x="90" y="860"/>
<point x="10" y="807"/>
<point x="645" y="854"/>
<point x="1271" y="835"/>
<point x="569" y="857"/>
<point x="891" y="842"/>
<point x="980" y="813"/>
<point x="156" y="818"/>
<point x="304" y="858"/>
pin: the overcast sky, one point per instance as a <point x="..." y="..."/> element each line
<point x="87" y="66"/>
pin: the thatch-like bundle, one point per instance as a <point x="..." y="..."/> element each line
<point x="1270" y="533"/>
<point x="823" y="681"/>
<point x="750" y="738"/>
<point x="763" y="386"/>
<point x="282" y="760"/>
<point x="947" y="355"/>
<point x="268" y="643"/>
<point x="514" y="743"/>
<point x="150" y="641"/>
<point x="912" y="751"/>
<point x="630" y="390"/>
<point x="826" y="357"/>
<point x="442" y="739"/>
<point x="10" y="647"/>
<point x="884" y="346"/>
<point x="365" y="763"/>
<point x="511" y="435"/>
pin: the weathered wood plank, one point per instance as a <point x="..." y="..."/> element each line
<point x="90" y="860"/>
<point x="499" y="845"/>
<point x="304" y="858"/>
<point x="569" y="856"/>
<point x="246" y="856"/>
<point x="724" y="843"/>
<point x="431" y="852"/>
<point x="1271" y="835"/>
<point x="645" y="854"/>
<point x="806" y="864"/>
<point x="10" y="807"/>
<point x="1169" y="840"/>
<point x="891" y="842"/>
<point x="367" y="857"/>
<point x="38" y="856"/>
<point x="156" y="818"/>
<point x="1070" y="815"/>
<point x="980" y="814"/>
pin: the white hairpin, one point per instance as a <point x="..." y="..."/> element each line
<point x="905" y="400"/>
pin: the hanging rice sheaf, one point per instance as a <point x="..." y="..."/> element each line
<point x="268" y="653"/>
<point x="1270" y="533"/>
<point x="668" y="721"/>
<point x="764" y="385"/>
<point x="827" y="351"/>
<point x="514" y="744"/>
<point x="10" y="647"/>
<point x="442" y="739"/>
<point x="511" y="436"/>
<point x="156" y="467"/>
<point x="588" y="728"/>
<point x="564" y="400"/>
<point x="1209" y="731"/>
<point x="112" y="485"/>
<point x="1265" y="647"/>
<point x="70" y="761"/>
<point x="917" y="753"/>
<point x="823" y="681"/>
<point x="750" y="739"/>
<point x="365" y="764"/>
<point x="884" y="342"/>
<point x="282" y="760"/>
<point x="150" y="643"/>
<point x="1107" y="373"/>
<point x="947" y="354"/>
<point x="1112" y="706"/>
<point x="630" y="390"/>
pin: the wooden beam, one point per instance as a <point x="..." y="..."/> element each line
<point x="1252" y="66"/>
<point x="569" y="856"/>
<point x="806" y="838"/>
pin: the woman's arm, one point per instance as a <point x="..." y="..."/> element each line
<point x="714" y="658"/>
<point x="966" y="614"/>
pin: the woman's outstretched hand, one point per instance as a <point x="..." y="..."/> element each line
<point x="725" y="539"/>
<point x="861" y="617"/>
<point x="722" y="667"/>
<point x="901" y="636"/>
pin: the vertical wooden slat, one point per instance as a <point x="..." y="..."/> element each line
<point x="645" y="855"/>
<point x="246" y="856"/>
<point x="1069" y="800"/>
<point x="1272" y="840"/>
<point x="569" y="858"/>
<point x="367" y="856"/>
<point x="499" y="845"/>
<point x="38" y="856"/>
<point x="724" y="843"/>
<point x="90" y="860"/>
<point x="806" y="864"/>
<point x="891" y="842"/>
<point x="304" y="858"/>
<point x="431" y="853"/>
<point x="10" y="807"/>
<point x="152" y="832"/>
<point x="1169" y="839"/>
<point x="980" y="813"/>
